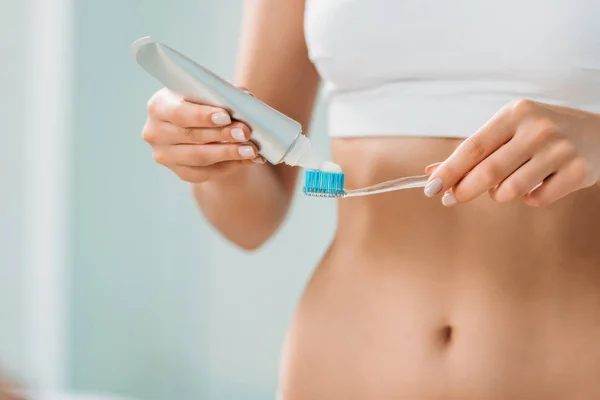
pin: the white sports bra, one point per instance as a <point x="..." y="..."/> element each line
<point x="443" y="68"/>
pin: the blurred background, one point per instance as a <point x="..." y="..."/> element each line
<point x="111" y="282"/>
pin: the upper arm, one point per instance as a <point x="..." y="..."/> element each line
<point x="273" y="63"/>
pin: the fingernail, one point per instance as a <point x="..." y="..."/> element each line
<point x="220" y="118"/>
<point x="238" y="134"/>
<point x="449" y="200"/>
<point x="246" y="151"/>
<point x="432" y="188"/>
<point x="258" y="160"/>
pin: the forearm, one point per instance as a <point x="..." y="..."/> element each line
<point x="273" y="64"/>
<point x="246" y="207"/>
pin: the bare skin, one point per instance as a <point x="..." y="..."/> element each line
<point x="4" y="391"/>
<point x="493" y="298"/>
<point x="414" y="300"/>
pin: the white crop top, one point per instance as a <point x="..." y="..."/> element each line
<point x="443" y="68"/>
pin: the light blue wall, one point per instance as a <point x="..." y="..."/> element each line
<point x="12" y="115"/>
<point x="162" y="307"/>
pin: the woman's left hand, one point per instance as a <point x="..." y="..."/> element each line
<point x="528" y="150"/>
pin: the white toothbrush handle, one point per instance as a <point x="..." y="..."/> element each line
<point x="389" y="186"/>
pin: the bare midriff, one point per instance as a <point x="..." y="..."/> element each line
<point x="414" y="300"/>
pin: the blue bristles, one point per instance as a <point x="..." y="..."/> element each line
<point x="323" y="184"/>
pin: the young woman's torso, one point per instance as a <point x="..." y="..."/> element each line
<point x="414" y="300"/>
<point x="417" y="301"/>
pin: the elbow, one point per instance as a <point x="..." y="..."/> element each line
<point x="251" y="244"/>
<point x="250" y="247"/>
<point x="263" y="229"/>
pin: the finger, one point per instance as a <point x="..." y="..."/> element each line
<point x="448" y="198"/>
<point x="570" y="178"/>
<point x="492" y="170"/>
<point x="166" y="133"/>
<point x="208" y="154"/>
<point x="202" y="174"/>
<point x="543" y="164"/>
<point x="432" y="167"/>
<point x="170" y="107"/>
<point x="495" y="133"/>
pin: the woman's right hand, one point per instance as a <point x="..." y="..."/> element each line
<point x="197" y="142"/>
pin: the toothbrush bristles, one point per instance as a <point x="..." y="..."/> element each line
<point x="323" y="184"/>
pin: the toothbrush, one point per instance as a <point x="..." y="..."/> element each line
<point x="329" y="182"/>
